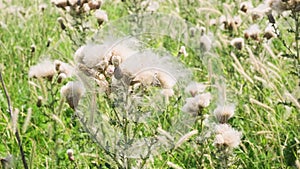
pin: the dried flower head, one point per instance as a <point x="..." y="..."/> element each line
<point x="39" y="102"/>
<point x="252" y="32"/>
<point x="44" y="69"/>
<point x="224" y="112"/>
<point x="245" y="6"/>
<point x="226" y="135"/>
<point x="153" y="6"/>
<point x="182" y="51"/>
<point x="72" y="91"/>
<point x="270" y="32"/>
<point x="42" y="7"/>
<point x="94" y="4"/>
<point x="237" y="43"/>
<point x="195" y="88"/>
<point x="149" y="69"/>
<point x="60" y="3"/>
<point x="280" y="6"/>
<point x="258" y="12"/>
<point x="70" y="154"/>
<point x="101" y="16"/>
<point x="206" y="42"/>
<point x="62" y="67"/>
<point x="195" y="104"/>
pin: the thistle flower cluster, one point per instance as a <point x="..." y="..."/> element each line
<point x="47" y="69"/>
<point x="199" y="100"/>
<point x="115" y="61"/>
<point x="225" y="134"/>
<point x="80" y="6"/>
<point x="102" y="61"/>
<point x="56" y="72"/>
<point x="280" y="6"/>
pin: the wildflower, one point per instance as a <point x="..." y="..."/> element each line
<point x="224" y="113"/>
<point x="60" y="3"/>
<point x="94" y="4"/>
<point x="72" y="2"/>
<point x="42" y="7"/>
<point x="195" y="104"/>
<point x="7" y="162"/>
<point x="212" y="22"/>
<point x="90" y="54"/>
<point x="278" y="5"/>
<point x="70" y="154"/>
<point x="195" y="88"/>
<point x="60" y="20"/>
<point x="32" y="47"/>
<point x="72" y="91"/>
<point x="252" y="32"/>
<point x="206" y="42"/>
<point x="258" y="12"/>
<point x="270" y="32"/>
<point x="61" y="77"/>
<point x="245" y="6"/>
<point x="228" y="136"/>
<point x="237" y="20"/>
<point x="237" y="43"/>
<point x="110" y="70"/>
<point x="101" y="16"/>
<point x="149" y="69"/>
<point x="44" y="69"/>
<point x="153" y="6"/>
<point x="182" y="51"/>
<point x="86" y="7"/>
<point x="62" y="67"/>
<point x="49" y="42"/>
<point x="39" y="102"/>
<point x="116" y="60"/>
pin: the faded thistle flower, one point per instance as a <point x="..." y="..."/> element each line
<point x="206" y="42"/>
<point x="101" y="16"/>
<point x="227" y="136"/>
<point x="258" y="12"/>
<point x="44" y="69"/>
<point x="224" y="112"/>
<point x="238" y="43"/>
<point x="70" y="154"/>
<point x="195" y="88"/>
<point x="245" y="6"/>
<point x="270" y="32"/>
<point x="280" y="6"/>
<point x="72" y="91"/>
<point x="252" y="32"/>
<point x="194" y="105"/>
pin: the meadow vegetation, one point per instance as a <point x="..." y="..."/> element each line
<point x="149" y="84"/>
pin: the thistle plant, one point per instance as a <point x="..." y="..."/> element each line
<point x="75" y="16"/>
<point x="47" y="78"/>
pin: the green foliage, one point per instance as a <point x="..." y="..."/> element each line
<point x="266" y="99"/>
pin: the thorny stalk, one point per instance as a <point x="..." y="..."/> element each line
<point x="297" y="38"/>
<point x="10" y="114"/>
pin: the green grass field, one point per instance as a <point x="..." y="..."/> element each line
<point x="259" y="76"/>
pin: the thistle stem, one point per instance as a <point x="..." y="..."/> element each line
<point x="10" y="114"/>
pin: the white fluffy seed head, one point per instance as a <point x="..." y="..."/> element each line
<point x="44" y="69"/>
<point x="73" y="91"/>
<point x="195" y="88"/>
<point x="228" y="136"/>
<point x="224" y="112"/>
<point x="238" y="43"/>
<point x="101" y="16"/>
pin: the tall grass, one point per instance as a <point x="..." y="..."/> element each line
<point x="261" y="79"/>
